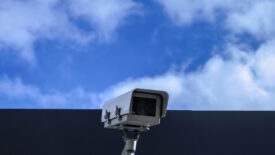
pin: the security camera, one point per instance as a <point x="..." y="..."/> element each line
<point x="138" y="109"/>
<point x="134" y="111"/>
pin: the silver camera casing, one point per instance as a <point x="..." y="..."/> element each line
<point x="118" y="112"/>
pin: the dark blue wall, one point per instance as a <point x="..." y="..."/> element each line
<point x="79" y="132"/>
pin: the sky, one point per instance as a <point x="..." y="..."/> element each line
<point x="207" y="54"/>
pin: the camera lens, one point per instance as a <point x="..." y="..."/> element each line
<point x="144" y="106"/>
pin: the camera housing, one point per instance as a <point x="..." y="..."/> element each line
<point x="136" y="110"/>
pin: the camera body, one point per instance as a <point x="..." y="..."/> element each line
<point x="136" y="110"/>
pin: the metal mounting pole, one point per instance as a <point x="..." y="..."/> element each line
<point x="130" y="143"/>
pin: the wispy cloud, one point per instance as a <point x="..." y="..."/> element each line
<point x="15" y="89"/>
<point x="104" y="15"/>
<point x="245" y="81"/>
<point x="242" y="80"/>
<point x="24" y="22"/>
<point x="255" y="17"/>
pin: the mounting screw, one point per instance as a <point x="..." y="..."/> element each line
<point x="107" y="116"/>
<point x="118" y="112"/>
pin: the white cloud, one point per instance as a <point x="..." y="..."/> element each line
<point x="255" y="17"/>
<point x="246" y="81"/>
<point x="24" y="22"/>
<point x="105" y="15"/>
<point x="15" y="89"/>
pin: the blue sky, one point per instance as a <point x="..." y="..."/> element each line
<point x="209" y="55"/>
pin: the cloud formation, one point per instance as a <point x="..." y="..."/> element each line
<point x="104" y="15"/>
<point x="15" y="89"/>
<point x="238" y="79"/>
<point x="244" y="81"/>
<point x="24" y="22"/>
<point x="255" y="17"/>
